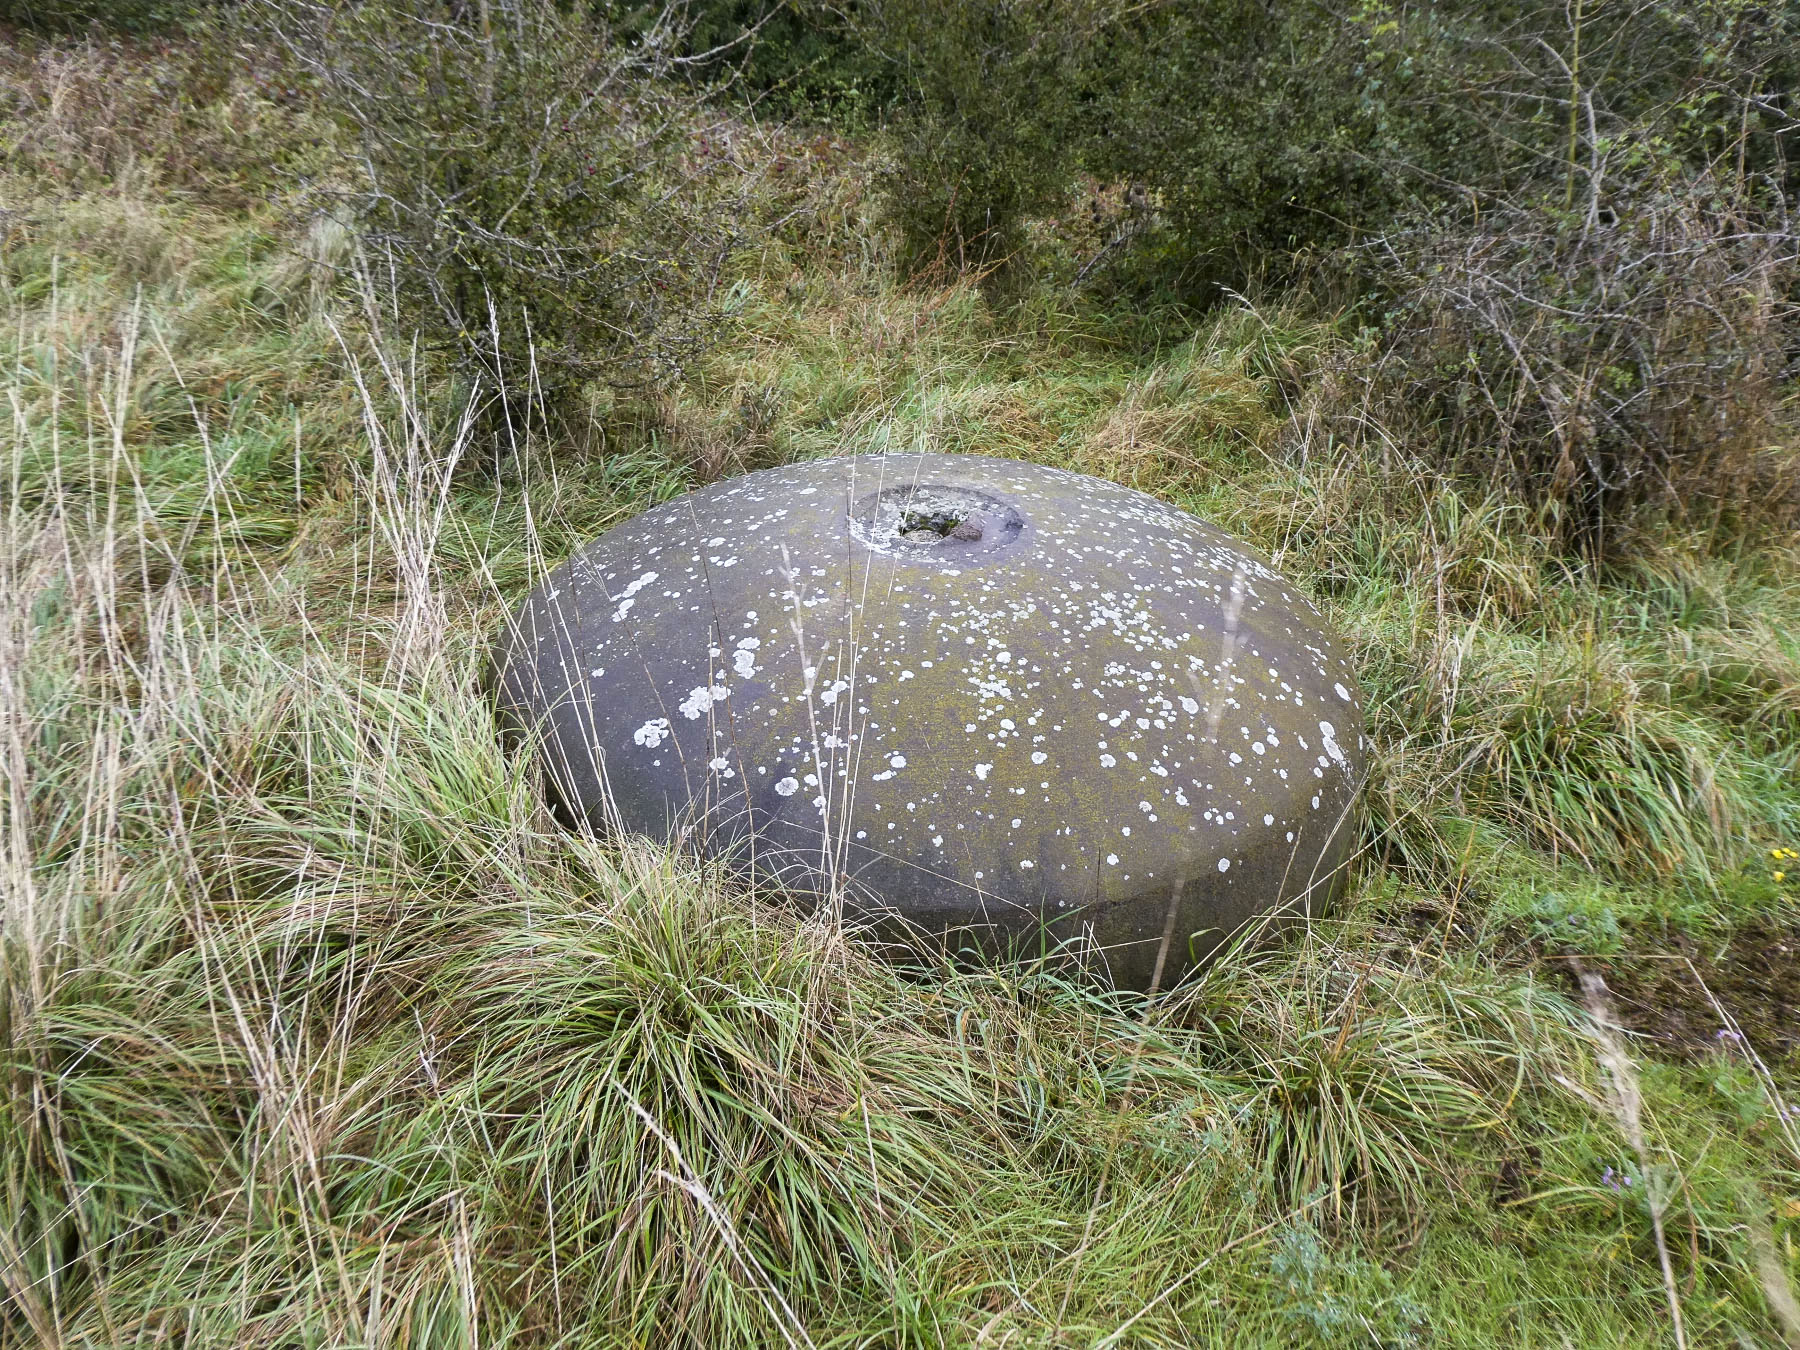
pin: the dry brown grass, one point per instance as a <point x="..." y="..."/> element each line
<point x="200" y="120"/>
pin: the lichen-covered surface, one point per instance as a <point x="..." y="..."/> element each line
<point x="974" y="696"/>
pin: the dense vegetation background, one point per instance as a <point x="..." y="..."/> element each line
<point x="332" y="324"/>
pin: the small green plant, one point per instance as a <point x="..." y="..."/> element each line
<point x="1331" y="1300"/>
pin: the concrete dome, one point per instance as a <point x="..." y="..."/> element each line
<point x="1000" y="702"/>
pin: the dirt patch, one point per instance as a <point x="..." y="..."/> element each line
<point x="1755" y="976"/>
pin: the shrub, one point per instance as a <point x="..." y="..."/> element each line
<point x="987" y="115"/>
<point x="1260" y="132"/>
<point x="795" y="60"/>
<point x="1257" y="130"/>
<point x="1560" y="92"/>
<point x="1244" y="134"/>
<point x="545" y="202"/>
<point x="1592" y="363"/>
<point x="1247" y="131"/>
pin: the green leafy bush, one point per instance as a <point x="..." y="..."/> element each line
<point x="1244" y="136"/>
<point x="1258" y="131"/>
<point x="794" y="59"/>
<point x="988" y="112"/>
<point x="1244" y="131"/>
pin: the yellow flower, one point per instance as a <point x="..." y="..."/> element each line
<point x="1781" y="876"/>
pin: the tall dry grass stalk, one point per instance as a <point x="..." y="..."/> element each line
<point x="140" y="692"/>
<point x="1625" y="1101"/>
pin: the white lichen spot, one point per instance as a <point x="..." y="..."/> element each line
<point x="652" y="733"/>
<point x="1224" y="864"/>
<point x="700" y="699"/>
<point x="983" y="770"/>
<point x="625" y="600"/>
<point x="1332" y="748"/>
<point x="788" y="786"/>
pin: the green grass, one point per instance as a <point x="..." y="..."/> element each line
<point x="318" y="1031"/>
